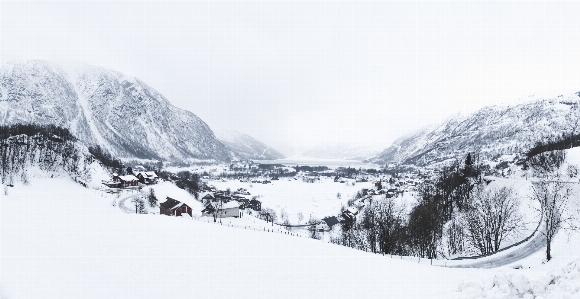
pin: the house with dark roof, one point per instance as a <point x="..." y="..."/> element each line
<point x="172" y="207"/>
<point x="331" y="221"/>
<point x="146" y="177"/>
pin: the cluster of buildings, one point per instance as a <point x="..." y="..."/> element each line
<point x="218" y="204"/>
<point x="132" y="180"/>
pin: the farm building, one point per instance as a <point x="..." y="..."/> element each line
<point x="174" y="207"/>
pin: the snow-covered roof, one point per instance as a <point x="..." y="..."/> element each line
<point x="151" y="174"/>
<point x="227" y="205"/>
<point x="204" y="194"/>
<point x="230" y="205"/>
<point x="128" y="178"/>
<point x="177" y="206"/>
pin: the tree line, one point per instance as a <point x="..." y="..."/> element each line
<point x="453" y="215"/>
<point x="48" y="147"/>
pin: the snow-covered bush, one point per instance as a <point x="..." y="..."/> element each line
<point x="560" y="283"/>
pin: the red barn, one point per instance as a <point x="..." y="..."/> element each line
<point x="174" y="207"/>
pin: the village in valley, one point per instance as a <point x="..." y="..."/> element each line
<point x="306" y="200"/>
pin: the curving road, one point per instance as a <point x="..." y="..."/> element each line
<point x="535" y="245"/>
<point x="122" y="206"/>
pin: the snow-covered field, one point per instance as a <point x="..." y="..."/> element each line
<point x="61" y="240"/>
<point x="70" y="242"/>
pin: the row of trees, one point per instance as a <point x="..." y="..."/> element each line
<point x="461" y="214"/>
<point x="186" y="180"/>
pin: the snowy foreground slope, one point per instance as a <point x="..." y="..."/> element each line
<point x="61" y="240"/>
<point x="70" y="242"/>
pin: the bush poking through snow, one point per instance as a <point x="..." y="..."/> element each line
<point x="560" y="283"/>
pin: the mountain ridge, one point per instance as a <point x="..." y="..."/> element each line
<point x="489" y="132"/>
<point x="246" y="146"/>
<point x="100" y="106"/>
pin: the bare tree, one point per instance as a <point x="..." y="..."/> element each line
<point x="493" y="216"/>
<point x="216" y="208"/>
<point x="268" y="215"/>
<point x="313" y="228"/>
<point x="553" y="194"/>
<point x="139" y="204"/>
<point x="554" y="197"/>
<point x="300" y="217"/>
<point x="455" y="236"/>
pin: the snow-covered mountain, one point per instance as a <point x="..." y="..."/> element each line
<point x="246" y="146"/>
<point x="100" y="106"/>
<point x="490" y="131"/>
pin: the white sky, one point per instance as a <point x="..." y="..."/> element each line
<point x="305" y="72"/>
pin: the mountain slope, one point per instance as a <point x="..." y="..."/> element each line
<point x="36" y="92"/>
<point x="334" y="150"/>
<point x="120" y="113"/>
<point x="491" y="131"/>
<point x="246" y="146"/>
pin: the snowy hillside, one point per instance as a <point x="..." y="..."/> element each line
<point x="246" y="146"/>
<point x="491" y="131"/>
<point x="100" y="106"/>
<point x="74" y="244"/>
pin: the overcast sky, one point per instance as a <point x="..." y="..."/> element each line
<point x="305" y="72"/>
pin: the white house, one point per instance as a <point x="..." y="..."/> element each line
<point x="228" y="209"/>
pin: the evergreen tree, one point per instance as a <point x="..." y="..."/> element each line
<point x="152" y="198"/>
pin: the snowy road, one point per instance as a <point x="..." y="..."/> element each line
<point x="536" y="244"/>
<point x="122" y="206"/>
